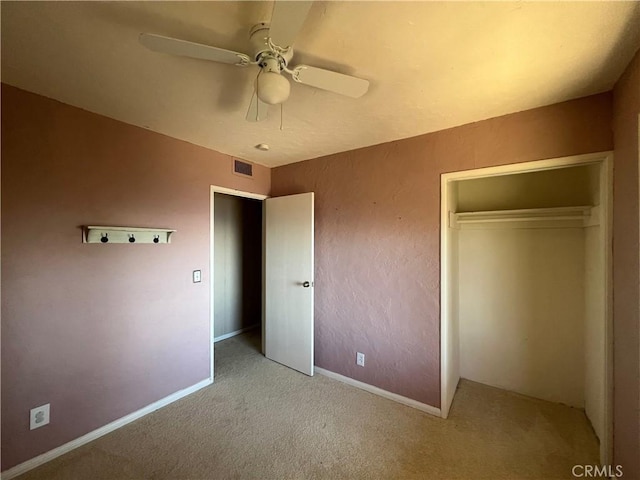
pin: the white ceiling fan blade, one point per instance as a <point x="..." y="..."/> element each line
<point x="174" y="46"/>
<point x="332" y="81"/>
<point x="258" y="110"/>
<point x="286" y="21"/>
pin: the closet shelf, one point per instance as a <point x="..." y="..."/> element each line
<point x="556" y="217"/>
<point x="102" y="234"/>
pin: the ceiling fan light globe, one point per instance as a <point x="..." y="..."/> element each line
<point x="273" y="88"/>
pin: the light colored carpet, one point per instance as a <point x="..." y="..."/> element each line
<point x="261" y="420"/>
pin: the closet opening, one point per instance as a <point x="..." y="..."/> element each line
<point x="236" y="266"/>
<point x="526" y="283"/>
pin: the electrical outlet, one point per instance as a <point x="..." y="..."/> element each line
<point x="197" y="276"/>
<point x="360" y="359"/>
<point x="39" y="416"/>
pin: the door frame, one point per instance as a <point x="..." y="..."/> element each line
<point x="447" y="332"/>
<point x="236" y="193"/>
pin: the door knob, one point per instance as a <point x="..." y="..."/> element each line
<point x="306" y="284"/>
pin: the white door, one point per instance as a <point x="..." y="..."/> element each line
<point x="288" y="286"/>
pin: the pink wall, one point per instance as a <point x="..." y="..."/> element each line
<point x="626" y="281"/>
<point x="98" y="331"/>
<point x="378" y="236"/>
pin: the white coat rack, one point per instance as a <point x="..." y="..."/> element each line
<point x="101" y="234"/>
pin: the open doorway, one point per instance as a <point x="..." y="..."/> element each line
<point x="284" y="265"/>
<point x="526" y="283"/>
<point x="236" y="266"/>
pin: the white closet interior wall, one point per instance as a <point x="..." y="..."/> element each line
<point x="595" y="312"/>
<point x="452" y="349"/>
<point x="530" y="307"/>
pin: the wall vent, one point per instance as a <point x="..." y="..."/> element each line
<point x="242" y="168"/>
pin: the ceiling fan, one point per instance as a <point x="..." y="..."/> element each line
<point x="272" y="51"/>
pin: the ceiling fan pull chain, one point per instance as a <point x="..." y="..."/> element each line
<point x="258" y="95"/>
<point x="281" y="107"/>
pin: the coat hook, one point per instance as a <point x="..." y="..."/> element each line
<point x="156" y="239"/>
<point x="132" y="239"/>
<point x="104" y="238"/>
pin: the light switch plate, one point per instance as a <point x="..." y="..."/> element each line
<point x="197" y="276"/>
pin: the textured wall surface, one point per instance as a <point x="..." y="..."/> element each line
<point x="98" y="331"/>
<point x="378" y="234"/>
<point x="626" y="315"/>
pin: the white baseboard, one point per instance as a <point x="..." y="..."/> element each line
<point x="378" y="391"/>
<point x="233" y="334"/>
<point x="121" y="422"/>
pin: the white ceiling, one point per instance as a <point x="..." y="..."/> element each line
<point x="432" y="65"/>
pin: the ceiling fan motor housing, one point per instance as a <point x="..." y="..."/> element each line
<point x="272" y="87"/>
<point x="259" y="37"/>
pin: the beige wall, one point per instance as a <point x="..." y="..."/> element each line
<point x="378" y="234"/>
<point x="594" y="329"/>
<point x="99" y="331"/>
<point x="451" y="296"/>
<point x="521" y="310"/>
<point x="237" y="266"/>
<point x="626" y="295"/>
<point x="563" y="187"/>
